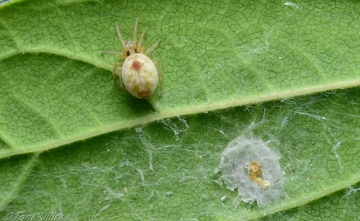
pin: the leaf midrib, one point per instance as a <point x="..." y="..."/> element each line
<point x="164" y="113"/>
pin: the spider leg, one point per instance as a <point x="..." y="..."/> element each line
<point x="120" y="37"/>
<point x="139" y="48"/>
<point x="115" y="72"/>
<point x="161" y="79"/>
<point x="152" y="47"/>
<point x="113" y="52"/>
<point x="135" y="30"/>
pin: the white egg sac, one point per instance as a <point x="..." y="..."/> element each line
<point x="237" y="160"/>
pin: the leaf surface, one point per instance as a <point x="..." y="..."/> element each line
<point x="229" y="68"/>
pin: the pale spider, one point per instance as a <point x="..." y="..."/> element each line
<point x="139" y="75"/>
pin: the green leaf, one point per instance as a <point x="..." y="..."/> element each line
<point x="73" y="144"/>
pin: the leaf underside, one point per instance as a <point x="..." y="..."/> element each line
<point x="73" y="142"/>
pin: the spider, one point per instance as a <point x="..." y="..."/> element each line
<point x="139" y="75"/>
<point x="254" y="169"/>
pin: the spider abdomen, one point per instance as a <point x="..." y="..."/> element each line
<point x="139" y="75"/>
